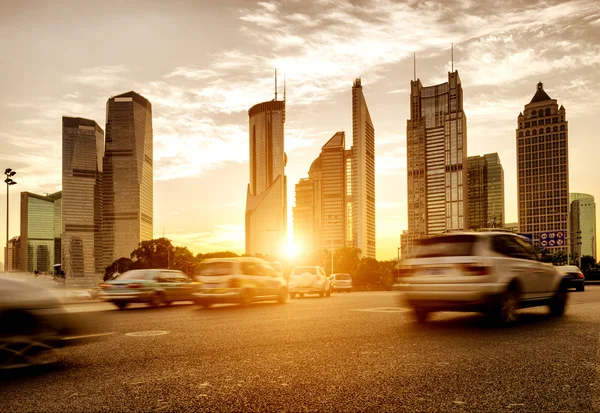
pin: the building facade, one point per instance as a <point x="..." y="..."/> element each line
<point x="363" y="175"/>
<point x="583" y="224"/>
<point x="83" y="148"/>
<point x="39" y="231"/>
<point x="127" y="217"/>
<point x="543" y="171"/>
<point x="266" y="198"/>
<point x="485" y="183"/>
<point x="436" y="143"/>
<point x="13" y="260"/>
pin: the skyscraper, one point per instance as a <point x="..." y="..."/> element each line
<point x="83" y="147"/>
<point x="38" y="231"/>
<point x="363" y="174"/>
<point x="127" y="176"/>
<point x="436" y="142"/>
<point x="485" y="179"/>
<point x="583" y="224"/>
<point x="266" y="198"/>
<point x="543" y="168"/>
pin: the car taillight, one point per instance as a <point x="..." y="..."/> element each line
<point x="134" y="286"/>
<point x="580" y="275"/>
<point x="472" y="269"/>
<point x="405" y="271"/>
<point x="104" y="285"/>
<point x="235" y="283"/>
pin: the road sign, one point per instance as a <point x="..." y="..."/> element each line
<point x="553" y="239"/>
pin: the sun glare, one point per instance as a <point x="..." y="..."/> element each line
<point x="291" y="250"/>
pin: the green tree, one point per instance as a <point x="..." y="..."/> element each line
<point x="574" y="258"/>
<point x="154" y="253"/>
<point x="121" y="265"/>
<point x="387" y="274"/>
<point x="588" y="263"/>
<point x="180" y="257"/>
<point x="559" y="258"/>
<point x="346" y="260"/>
<point x="367" y="272"/>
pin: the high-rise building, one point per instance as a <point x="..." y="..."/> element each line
<point x="363" y="174"/>
<point x="436" y="142"/>
<point x="485" y="183"/>
<point x="83" y="147"/>
<point x="14" y="250"/>
<point x="38" y="239"/>
<point x="266" y="198"/>
<point x="583" y="224"/>
<point x="543" y="169"/>
<point x="127" y="166"/>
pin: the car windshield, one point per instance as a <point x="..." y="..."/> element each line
<point x="303" y="270"/>
<point x="342" y="277"/>
<point x="215" y="268"/>
<point x="132" y="275"/>
<point x="447" y="246"/>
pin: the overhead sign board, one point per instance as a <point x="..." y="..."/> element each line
<point x="553" y="239"/>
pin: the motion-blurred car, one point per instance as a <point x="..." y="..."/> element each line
<point x="576" y="277"/>
<point x="492" y="272"/>
<point x="95" y="291"/>
<point x="341" y="282"/>
<point x="238" y="280"/>
<point x="309" y="280"/>
<point x="154" y="287"/>
<point x="32" y="323"/>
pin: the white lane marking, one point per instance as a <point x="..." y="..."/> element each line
<point x="149" y="333"/>
<point x="89" y="336"/>
<point x="382" y="310"/>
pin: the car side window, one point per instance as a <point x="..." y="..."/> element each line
<point x="532" y="255"/>
<point x="507" y="246"/>
<point x="165" y="277"/>
<point x="250" y="268"/>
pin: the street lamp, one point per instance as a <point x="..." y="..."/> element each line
<point x="168" y="254"/>
<point x="9" y="181"/>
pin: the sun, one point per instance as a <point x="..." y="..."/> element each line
<point x="291" y="250"/>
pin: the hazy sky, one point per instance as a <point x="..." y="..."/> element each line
<point x="203" y="64"/>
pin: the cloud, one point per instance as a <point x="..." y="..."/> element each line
<point x="222" y="237"/>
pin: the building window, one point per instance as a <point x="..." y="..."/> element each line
<point x="527" y="133"/>
<point x="547" y="111"/>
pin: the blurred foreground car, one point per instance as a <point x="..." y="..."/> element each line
<point x="309" y="280"/>
<point x="341" y="282"/>
<point x="576" y="277"/>
<point x="154" y="287"/>
<point x="238" y="280"/>
<point x="492" y="272"/>
<point x="32" y="323"/>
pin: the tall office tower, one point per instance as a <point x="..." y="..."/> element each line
<point x="266" y="198"/>
<point x="583" y="224"/>
<point x="38" y="231"/>
<point x="485" y="183"/>
<point x="127" y="176"/>
<point x="363" y="174"/>
<point x="83" y="147"/>
<point x="333" y="193"/>
<point x="307" y="211"/>
<point x="436" y="143"/>
<point x="543" y="171"/>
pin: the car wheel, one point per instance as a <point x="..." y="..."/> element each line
<point x="121" y="305"/>
<point x="203" y="303"/>
<point x="329" y="293"/>
<point x="421" y="314"/>
<point x="322" y="293"/>
<point x="168" y="302"/>
<point x="559" y="302"/>
<point x="292" y="295"/>
<point x="301" y="295"/>
<point x="508" y="304"/>
<point x="581" y="288"/>
<point x="282" y="297"/>
<point x="246" y="298"/>
<point x="155" y="300"/>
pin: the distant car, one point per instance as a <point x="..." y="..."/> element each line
<point x="341" y="282"/>
<point x="33" y="322"/>
<point x="154" y="287"/>
<point x="576" y="277"/>
<point x="492" y="272"/>
<point x="238" y="280"/>
<point x="309" y="280"/>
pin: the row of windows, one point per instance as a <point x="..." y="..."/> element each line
<point x="541" y="131"/>
<point x="542" y="138"/>
<point x="534" y="147"/>
<point x="548" y="158"/>
<point x="556" y="197"/>
<point x="525" y="168"/>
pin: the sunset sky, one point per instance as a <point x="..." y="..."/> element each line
<point x="203" y="64"/>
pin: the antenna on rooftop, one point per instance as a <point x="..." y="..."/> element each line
<point x="415" y="66"/>
<point x="452" y="46"/>
<point x="275" y="84"/>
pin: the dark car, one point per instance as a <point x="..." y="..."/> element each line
<point x="576" y="277"/>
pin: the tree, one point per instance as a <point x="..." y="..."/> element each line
<point x="367" y="272"/>
<point x="154" y="253"/>
<point x="574" y="258"/>
<point x="346" y="260"/>
<point x="588" y="263"/>
<point x="180" y="257"/>
<point x="121" y="265"/>
<point x="559" y="258"/>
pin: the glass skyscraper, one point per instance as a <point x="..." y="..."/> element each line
<point x="83" y="147"/>
<point x="583" y="224"/>
<point x="362" y="175"/>
<point x="436" y="142"/>
<point x="486" y="191"/>
<point x="127" y="217"/>
<point x="266" y="198"/>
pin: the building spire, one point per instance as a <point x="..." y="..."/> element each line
<point x="452" y="47"/>
<point x="276" y="84"/>
<point x="284" y="87"/>
<point x="415" y="66"/>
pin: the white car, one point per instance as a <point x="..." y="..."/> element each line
<point x="492" y="272"/>
<point x="341" y="282"/>
<point x="238" y="280"/>
<point x="309" y="280"/>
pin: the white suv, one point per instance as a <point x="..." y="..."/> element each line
<point x="309" y="280"/>
<point x="492" y="272"/>
<point x="238" y="280"/>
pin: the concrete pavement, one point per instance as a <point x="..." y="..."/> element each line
<point x="349" y="352"/>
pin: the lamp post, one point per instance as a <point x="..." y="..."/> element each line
<point x="168" y="254"/>
<point x="9" y="181"/>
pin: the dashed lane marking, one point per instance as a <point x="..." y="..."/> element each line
<point x="382" y="310"/>
<point x="149" y="333"/>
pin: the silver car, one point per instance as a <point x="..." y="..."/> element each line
<point x="341" y="282"/>
<point x="492" y="272"/>
<point x="309" y="280"/>
<point x="154" y="287"/>
<point x="238" y="280"/>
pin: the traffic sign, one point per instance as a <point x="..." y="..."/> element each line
<point x="553" y="239"/>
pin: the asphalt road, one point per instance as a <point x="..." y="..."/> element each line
<point x="349" y="352"/>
